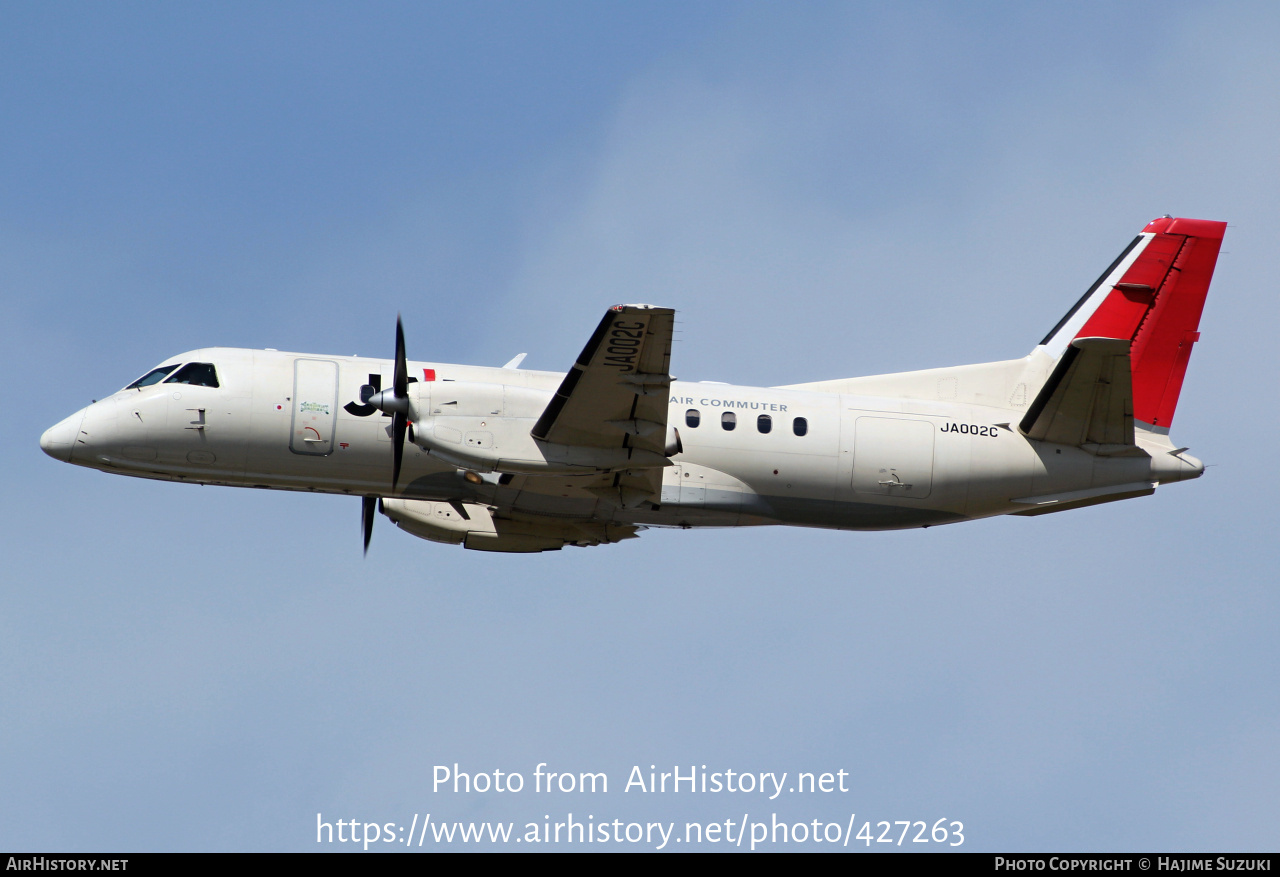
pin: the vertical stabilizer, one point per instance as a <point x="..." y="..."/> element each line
<point x="1152" y="297"/>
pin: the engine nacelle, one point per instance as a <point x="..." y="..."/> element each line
<point x="473" y="526"/>
<point x="486" y="427"/>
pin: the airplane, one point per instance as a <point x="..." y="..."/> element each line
<point x="514" y="460"/>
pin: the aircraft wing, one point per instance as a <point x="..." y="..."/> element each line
<point x="1088" y="400"/>
<point x="615" y="396"/>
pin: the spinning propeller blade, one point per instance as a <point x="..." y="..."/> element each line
<point x="368" y="507"/>
<point x="395" y="402"/>
<point x="399" y="417"/>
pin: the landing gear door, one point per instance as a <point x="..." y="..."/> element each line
<point x="315" y="406"/>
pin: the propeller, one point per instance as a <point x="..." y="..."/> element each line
<point x="396" y="403"/>
<point x="368" y="507"/>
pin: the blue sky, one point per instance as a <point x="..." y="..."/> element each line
<point x="822" y="191"/>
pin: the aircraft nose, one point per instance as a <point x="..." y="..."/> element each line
<point x="59" y="439"/>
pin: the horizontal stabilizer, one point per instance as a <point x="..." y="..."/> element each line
<point x="1088" y="400"/>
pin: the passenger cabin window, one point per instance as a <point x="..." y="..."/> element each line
<point x="155" y="376"/>
<point x="728" y="420"/>
<point x="198" y="374"/>
<point x="800" y="426"/>
<point x="764" y="423"/>
<point x="692" y="418"/>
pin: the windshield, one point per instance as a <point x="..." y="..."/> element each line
<point x="152" y="377"/>
<point x="200" y="374"/>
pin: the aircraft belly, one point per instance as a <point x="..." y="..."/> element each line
<point x="854" y="515"/>
<point x="727" y="514"/>
<point x="781" y="488"/>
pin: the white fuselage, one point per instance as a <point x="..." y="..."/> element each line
<point x="858" y="455"/>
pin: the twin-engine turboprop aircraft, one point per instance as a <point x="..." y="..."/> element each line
<point x="506" y="459"/>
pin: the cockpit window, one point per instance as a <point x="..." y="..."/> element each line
<point x="154" y="376"/>
<point x="199" y="374"/>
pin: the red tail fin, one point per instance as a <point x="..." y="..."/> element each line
<point x="1155" y="302"/>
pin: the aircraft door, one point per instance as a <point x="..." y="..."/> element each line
<point x="893" y="457"/>
<point x="315" y="406"/>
